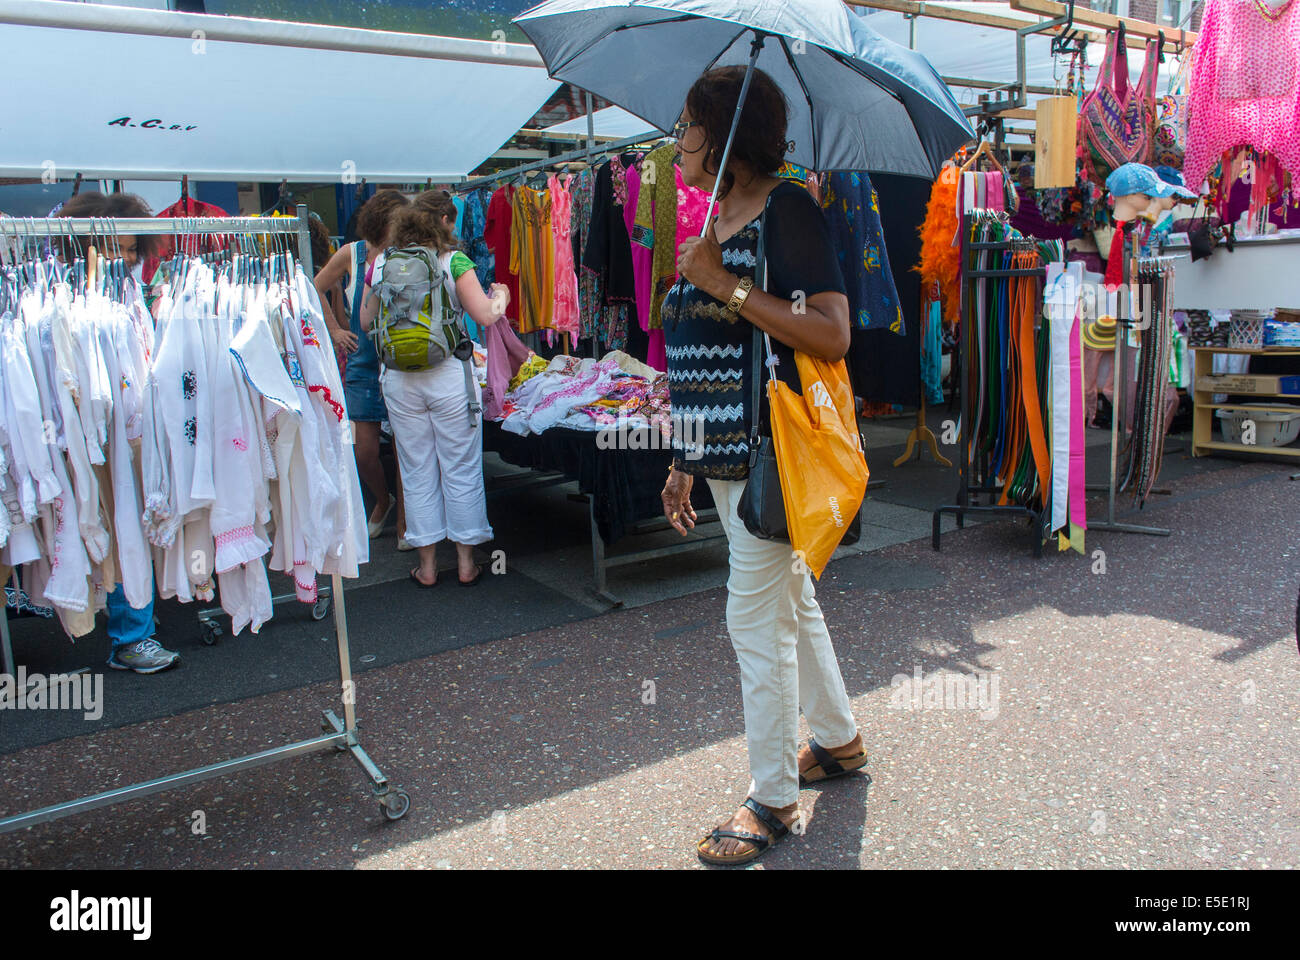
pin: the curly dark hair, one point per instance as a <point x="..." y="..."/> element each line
<point x="376" y="216"/>
<point x="417" y="225"/>
<point x="760" y="138"/>
<point x="440" y="204"/>
<point x="94" y="204"/>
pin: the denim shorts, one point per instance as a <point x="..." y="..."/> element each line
<point x="361" y="388"/>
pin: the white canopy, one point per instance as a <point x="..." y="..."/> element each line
<point x="612" y="123"/>
<point x="301" y="102"/>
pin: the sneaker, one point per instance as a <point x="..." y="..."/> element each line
<point x="147" y="656"/>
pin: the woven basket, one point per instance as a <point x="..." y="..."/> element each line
<point x="1246" y="332"/>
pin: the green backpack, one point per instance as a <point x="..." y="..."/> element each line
<point x="420" y="323"/>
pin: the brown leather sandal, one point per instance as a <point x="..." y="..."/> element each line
<point x="829" y="766"/>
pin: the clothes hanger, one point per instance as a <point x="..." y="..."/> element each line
<point x="985" y="149"/>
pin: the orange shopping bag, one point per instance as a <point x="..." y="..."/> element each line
<point x="819" y="457"/>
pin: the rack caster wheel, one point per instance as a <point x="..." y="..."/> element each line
<point x="394" y="805"/>
<point x="211" y="634"/>
<point x="320" y="609"/>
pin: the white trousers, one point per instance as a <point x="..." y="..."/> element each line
<point x="785" y="655"/>
<point x="441" y="456"/>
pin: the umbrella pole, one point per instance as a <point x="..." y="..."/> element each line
<point x="754" y="49"/>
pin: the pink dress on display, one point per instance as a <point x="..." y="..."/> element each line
<point x="692" y="204"/>
<point x="565" y="316"/>
<point x="642" y="257"/>
<point x="1245" y="88"/>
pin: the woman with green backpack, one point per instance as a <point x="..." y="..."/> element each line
<point x="416" y="297"/>
<point x="361" y="380"/>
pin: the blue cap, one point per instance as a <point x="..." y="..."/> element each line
<point x="1139" y="178"/>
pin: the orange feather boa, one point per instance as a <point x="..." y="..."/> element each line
<point x="940" y="257"/>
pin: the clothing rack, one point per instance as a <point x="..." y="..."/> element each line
<point x="586" y="153"/>
<point x="338" y="734"/>
<point x="6" y="650"/>
<point x="966" y="490"/>
<point x="1119" y="406"/>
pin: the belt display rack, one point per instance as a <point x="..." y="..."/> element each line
<point x="1119" y="433"/>
<point x="973" y="481"/>
<point x="338" y="734"/>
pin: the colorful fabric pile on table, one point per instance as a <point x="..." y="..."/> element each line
<point x="586" y="394"/>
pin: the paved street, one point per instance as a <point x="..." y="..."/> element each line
<point x="1144" y="716"/>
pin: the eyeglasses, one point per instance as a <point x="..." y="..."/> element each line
<point x="680" y="128"/>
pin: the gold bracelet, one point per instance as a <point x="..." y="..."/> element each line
<point x="739" y="296"/>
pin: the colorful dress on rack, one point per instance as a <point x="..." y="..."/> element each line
<point x="608" y="249"/>
<point x="565" y="319"/>
<point x="642" y="253"/>
<point x="497" y="233"/>
<point x="532" y="257"/>
<point x="1245" y="88"/>
<point x="473" y="241"/>
<point x="655" y="220"/>
<point x="853" y="218"/>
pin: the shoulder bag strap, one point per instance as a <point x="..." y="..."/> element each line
<point x="760" y="338"/>
<point x="358" y="283"/>
<point x="1119" y="68"/>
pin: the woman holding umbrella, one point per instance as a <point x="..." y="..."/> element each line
<point x="852" y="101"/>
<point x="776" y="627"/>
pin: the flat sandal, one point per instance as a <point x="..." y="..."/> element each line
<point x="761" y="844"/>
<point x="831" y="767"/>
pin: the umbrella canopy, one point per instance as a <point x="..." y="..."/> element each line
<point x="857" y="101"/>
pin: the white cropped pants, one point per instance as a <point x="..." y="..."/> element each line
<point x="441" y="456"/>
<point x="785" y="655"/>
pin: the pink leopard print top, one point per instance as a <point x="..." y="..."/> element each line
<point x="1245" y="86"/>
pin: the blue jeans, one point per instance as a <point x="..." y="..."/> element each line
<point x="127" y="625"/>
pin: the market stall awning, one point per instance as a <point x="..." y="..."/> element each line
<point x="613" y="123"/>
<point x="302" y="102"/>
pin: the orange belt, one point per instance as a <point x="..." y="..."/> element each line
<point x="1022" y="371"/>
<point x="1028" y="303"/>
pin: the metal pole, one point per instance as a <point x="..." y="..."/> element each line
<point x="1119" y="402"/>
<point x="582" y="154"/>
<point x="345" y="656"/>
<point x="309" y="36"/>
<point x="6" y="650"/>
<point x="591" y="127"/>
<point x="304" y="239"/>
<point x="754" y="49"/>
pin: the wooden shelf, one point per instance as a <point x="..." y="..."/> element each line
<point x="1203" y="408"/>
<point x="1244" y="448"/>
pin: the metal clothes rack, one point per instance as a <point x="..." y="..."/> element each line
<point x="340" y="735"/>
<point x="966" y="490"/>
<point x="1119" y="409"/>
<point x="586" y="153"/>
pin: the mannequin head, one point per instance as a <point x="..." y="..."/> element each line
<point x="1134" y="185"/>
<point x="1130" y="205"/>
